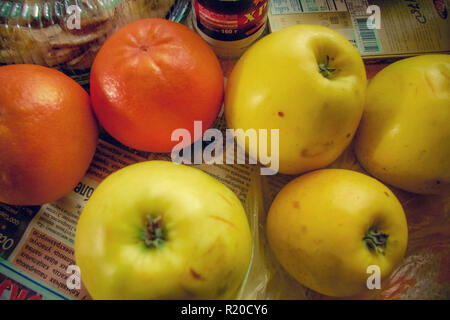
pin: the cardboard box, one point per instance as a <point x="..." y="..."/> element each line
<point x="407" y="27"/>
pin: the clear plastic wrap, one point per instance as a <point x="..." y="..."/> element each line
<point x="67" y="34"/>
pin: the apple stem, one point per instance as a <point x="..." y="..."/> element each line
<point x="154" y="233"/>
<point x="376" y="240"/>
<point x="325" y="69"/>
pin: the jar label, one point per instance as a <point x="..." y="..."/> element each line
<point x="231" y="27"/>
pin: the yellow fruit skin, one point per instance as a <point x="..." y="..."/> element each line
<point x="208" y="244"/>
<point x="316" y="226"/>
<point x="404" y="136"/>
<point x="277" y="85"/>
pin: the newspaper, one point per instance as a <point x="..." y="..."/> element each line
<point x="37" y="243"/>
<point x="400" y="28"/>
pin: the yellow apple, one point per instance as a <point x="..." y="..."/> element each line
<point x="329" y="227"/>
<point x="159" y="230"/>
<point x="404" y="136"/>
<point x="307" y="81"/>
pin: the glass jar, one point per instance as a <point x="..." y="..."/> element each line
<point x="230" y="26"/>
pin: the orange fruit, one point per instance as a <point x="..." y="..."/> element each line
<point x="48" y="134"/>
<point x="154" y="76"/>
